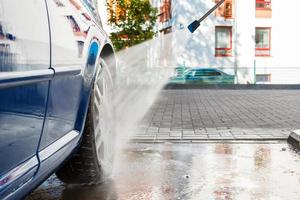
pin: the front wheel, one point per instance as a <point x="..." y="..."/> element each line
<point x="93" y="162"/>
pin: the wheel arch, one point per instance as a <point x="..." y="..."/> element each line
<point x="89" y="77"/>
<point x="108" y="54"/>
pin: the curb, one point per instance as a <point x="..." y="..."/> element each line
<point x="211" y="140"/>
<point x="294" y="139"/>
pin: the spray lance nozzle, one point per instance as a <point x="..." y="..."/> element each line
<point x="195" y="24"/>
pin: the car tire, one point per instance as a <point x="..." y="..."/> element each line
<point x="92" y="163"/>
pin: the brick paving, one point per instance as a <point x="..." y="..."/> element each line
<point x="211" y="114"/>
<point x="208" y="115"/>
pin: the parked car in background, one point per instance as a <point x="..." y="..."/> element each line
<point x="57" y="73"/>
<point x="202" y="76"/>
<point x="180" y="70"/>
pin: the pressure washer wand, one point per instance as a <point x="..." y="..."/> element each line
<point x="195" y="24"/>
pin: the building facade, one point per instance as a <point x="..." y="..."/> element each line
<point x="255" y="40"/>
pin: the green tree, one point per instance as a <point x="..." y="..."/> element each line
<point x="132" y="20"/>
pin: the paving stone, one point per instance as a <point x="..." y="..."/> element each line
<point x="247" y="137"/>
<point x="200" y="132"/>
<point x="163" y="133"/>
<point x="246" y="114"/>
<point x="175" y="134"/>
<point x="215" y="137"/>
<point x="213" y="133"/>
<point x="162" y="137"/>
<point x="266" y="136"/>
<point x="238" y="133"/>
<point x="161" y="130"/>
<point x="195" y="137"/>
<point x="188" y="131"/>
<point x="144" y="137"/>
<point x="225" y="134"/>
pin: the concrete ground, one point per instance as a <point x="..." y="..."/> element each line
<point x="217" y="144"/>
<point x="266" y="171"/>
<point x="192" y="115"/>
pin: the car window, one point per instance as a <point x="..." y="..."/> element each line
<point x="212" y="73"/>
<point x="207" y="73"/>
<point x="200" y="73"/>
<point x="190" y="73"/>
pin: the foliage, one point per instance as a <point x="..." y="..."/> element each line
<point x="132" y="20"/>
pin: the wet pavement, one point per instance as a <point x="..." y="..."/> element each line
<point x="215" y="114"/>
<point x="268" y="170"/>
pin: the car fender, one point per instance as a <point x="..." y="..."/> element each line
<point x="98" y="47"/>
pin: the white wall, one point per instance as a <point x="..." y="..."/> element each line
<point x="244" y="40"/>
<point x="198" y="49"/>
<point x="284" y="61"/>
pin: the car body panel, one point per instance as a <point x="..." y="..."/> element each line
<point x="44" y="93"/>
<point x="70" y="47"/>
<point x="47" y="167"/>
<point x="24" y="83"/>
<point x="65" y="87"/>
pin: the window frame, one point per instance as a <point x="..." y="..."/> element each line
<point x="263" y="49"/>
<point x="228" y="9"/>
<point x="263" y="2"/>
<point x="165" y="11"/>
<point x="224" y="49"/>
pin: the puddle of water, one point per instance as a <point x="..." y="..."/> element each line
<point x="196" y="171"/>
<point x="210" y="171"/>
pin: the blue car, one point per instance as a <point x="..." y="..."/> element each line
<point x="57" y="75"/>
<point x="202" y="76"/>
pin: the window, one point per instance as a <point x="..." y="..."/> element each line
<point x="223" y="46"/>
<point x="263" y="77"/>
<point x="263" y="4"/>
<point x="262" y="41"/>
<point x="228" y="10"/>
<point x="166" y="30"/>
<point x="165" y="11"/>
<point x="225" y="10"/>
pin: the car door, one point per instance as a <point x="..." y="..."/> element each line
<point x="213" y="76"/>
<point x="190" y="76"/>
<point x="24" y="82"/>
<point x="195" y="76"/>
<point x="68" y="35"/>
